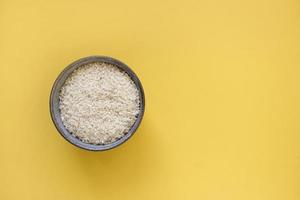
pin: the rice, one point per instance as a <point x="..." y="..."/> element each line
<point x="99" y="103"/>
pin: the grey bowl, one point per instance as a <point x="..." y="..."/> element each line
<point x="54" y="102"/>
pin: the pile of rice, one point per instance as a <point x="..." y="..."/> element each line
<point x="99" y="103"/>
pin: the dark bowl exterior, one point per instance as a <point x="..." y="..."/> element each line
<point x="54" y="102"/>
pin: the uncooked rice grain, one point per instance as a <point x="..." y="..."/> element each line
<point x="99" y="103"/>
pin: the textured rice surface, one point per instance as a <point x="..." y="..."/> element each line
<point x="99" y="103"/>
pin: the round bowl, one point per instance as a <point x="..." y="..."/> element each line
<point x="54" y="102"/>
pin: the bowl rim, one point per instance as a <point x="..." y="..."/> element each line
<point x="54" y="102"/>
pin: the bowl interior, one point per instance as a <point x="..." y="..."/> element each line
<point x="54" y="102"/>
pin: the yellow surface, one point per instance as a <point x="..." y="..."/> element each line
<point x="222" y="90"/>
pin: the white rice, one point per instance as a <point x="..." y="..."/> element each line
<point x="99" y="103"/>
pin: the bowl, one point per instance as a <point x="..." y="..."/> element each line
<point x="54" y="102"/>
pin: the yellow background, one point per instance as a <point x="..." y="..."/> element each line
<point x="222" y="99"/>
